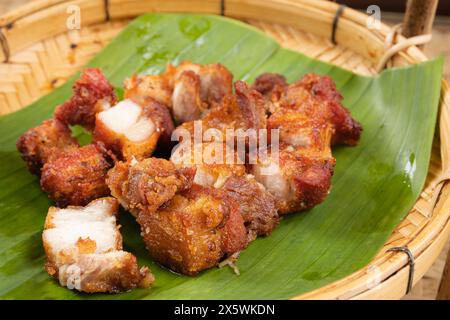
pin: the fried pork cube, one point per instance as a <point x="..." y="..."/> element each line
<point x="186" y="227"/>
<point x="315" y="97"/>
<point x="299" y="174"/>
<point x="45" y="142"/>
<point x="194" y="231"/>
<point x="242" y="111"/>
<point x="141" y="88"/>
<point x="297" y="181"/>
<point x="218" y="159"/>
<point x="256" y="204"/>
<point x="131" y="130"/>
<point x="271" y="85"/>
<point x="147" y="184"/>
<point x="77" y="176"/>
<point x="196" y="88"/>
<point x="310" y="119"/>
<point x="84" y="252"/>
<point x="214" y="162"/>
<point x="92" y="93"/>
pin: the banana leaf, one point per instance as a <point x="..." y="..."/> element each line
<point x="374" y="186"/>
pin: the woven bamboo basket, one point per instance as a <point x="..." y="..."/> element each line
<point x="39" y="54"/>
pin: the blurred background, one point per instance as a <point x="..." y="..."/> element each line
<point x="391" y="13"/>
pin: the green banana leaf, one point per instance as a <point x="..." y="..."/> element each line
<point x="375" y="183"/>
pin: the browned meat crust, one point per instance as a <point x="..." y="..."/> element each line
<point x="90" y="95"/>
<point x="77" y="176"/>
<point x="257" y="206"/>
<point x="43" y="143"/>
<point x="194" y="230"/>
<point x="148" y="184"/>
<point x="270" y="85"/>
<point x="156" y="87"/>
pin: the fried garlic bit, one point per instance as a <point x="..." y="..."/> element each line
<point x="84" y="250"/>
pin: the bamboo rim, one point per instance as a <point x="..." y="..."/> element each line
<point x="45" y="19"/>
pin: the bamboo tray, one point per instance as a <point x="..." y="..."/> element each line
<point x="40" y="53"/>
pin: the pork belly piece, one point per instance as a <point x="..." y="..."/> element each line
<point x="315" y="97"/>
<point x="187" y="104"/>
<point x="214" y="162"/>
<point x="147" y="184"/>
<point x="271" y="85"/>
<point x="92" y="93"/>
<point x="238" y="112"/>
<point x="77" y="176"/>
<point x="84" y="252"/>
<point x="299" y="175"/>
<point x="256" y="205"/>
<point x="196" y="88"/>
<point x="45" y="142"/>
<point x="141" y="88"/>
<point x="133" y="130"/>
<point x="194" y="231"/>
<point x="186" y="227"/>
<point x="298" y="178"/>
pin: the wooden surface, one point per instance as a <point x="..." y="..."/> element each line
<point x="444" y="288"/>
<point x="323" y="51"/>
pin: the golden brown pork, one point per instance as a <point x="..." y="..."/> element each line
<point x="92" y="93"/>
<point x="45" y="142"/>
<point x="77" y="176"/>
<point x="84" y="252"/>
<point x="186" y="227"/>
<point x="310" y="118"/>
<point x="133" y="130"/>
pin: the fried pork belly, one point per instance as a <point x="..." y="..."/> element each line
<point x="77" y="176"/>
<point x="147" y="184"/>
<point x="239" y="112"/>
<point x="195" y="230"/>
<point x="45" y="142"/>
<point x="133" y="130"/>
<point x="186" y="226"/>
<point x="214" y="162"/>
<point x="187" y="104"/>
<point x="256" y="205"/>
<point x="92" y="93"/>
<point x="298" y="180"/>
<point x="310" y="119"/>
<point x="271" y="85"/>
<point x="142" y="88"/>
<point x="84" y="250"/>
<point x="196" y="88"/>
<point x="315" y="97"/>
